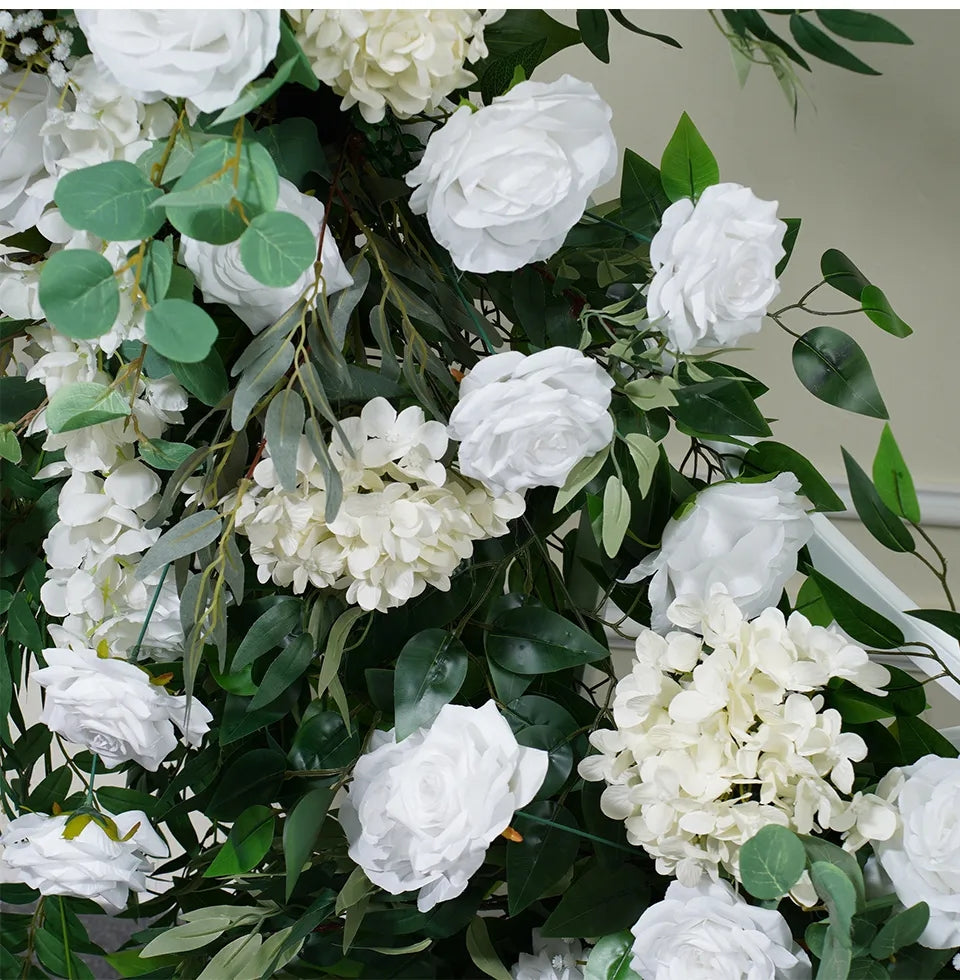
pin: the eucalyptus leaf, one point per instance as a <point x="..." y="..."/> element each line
<point x="112" y="200"/>
<point x="277" y="247"/>
<point x="186" y="538"/>
<point x="83" y="403"/>
<point x="283" y="430"/>
<point x="78" y="293"/>
<point x="180" y="331"/>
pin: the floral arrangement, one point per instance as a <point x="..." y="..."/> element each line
<point x="335" y="414"/>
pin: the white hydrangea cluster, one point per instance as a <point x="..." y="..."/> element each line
<point x="404" y="60"/>
<point x="93" y="548"/>
<point x="719" y="736"/>
<point x="405" y="521"/>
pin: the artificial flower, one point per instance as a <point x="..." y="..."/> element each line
<point x="526" y="420"/>
<point x="552" y="959"/>
<point x="421" y="813"/>
<point x="501" y="187"/>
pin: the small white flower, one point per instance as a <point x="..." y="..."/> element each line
<point x="49" y="32"/>
<point x="708" y="931"/>
<point x="206" y="56"/>
<point x="552" y="959"/>
<point x="407" y="60"/>
<point x="526" y="421"/>
<point x="421" y="813"/>
<point x="6" y="21"/>
<point x="91" y="865"/>
<point x="112" y="707"/>
<point x="715" y="267"/>
<point x="742" y="537"/>
<point x="921" y="860"/>
<point x="27" y="47"/>
<point x="502" y="187"/>
<point x="223" y="278"/>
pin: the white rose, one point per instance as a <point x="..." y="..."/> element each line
<point x="91" y="865"/>
<point x="715" y="267"/>
<point x="922" y="858"/>
<point x="526" y="421"/>
<point x="421" y="813"/>
<point x="552" y="959"/>
<point x="501" y="187"/>
<point x="206" y="56"/>
<point x="112" y="707"/>
<point x="741" y="537"/>
<point x="27" y="98"/>
<point x="223" y="278"/>
<point x="709" y="931"/>
<point x="405" y="59"/>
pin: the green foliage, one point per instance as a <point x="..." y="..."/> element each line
<point x="84" y="403"/>
<point x="600" y="900"/>
<point x="877" y="518"/>
<point x="687" y="167"/>
<point x="431" y="669"/>
<point x="180" y="331"/>
<point x="771" y="862"/>
<point x="610" y="958"/>
<point x="112" y="200"/>
<point x="246" y="845"/>
<point x="892" y="479"/>
<point x="277" y="247"/>
<point x="529" y="640"/>
<point x="595" y="33"/>
<point x="79" y="293"/>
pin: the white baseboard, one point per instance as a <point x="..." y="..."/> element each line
<point x="939" y="507"/>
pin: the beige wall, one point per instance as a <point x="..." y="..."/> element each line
<point x="872" y="169"/>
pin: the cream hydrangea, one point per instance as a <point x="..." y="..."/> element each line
<point x="720" y="736"/>
<point x="404" y="60"/>
<point x="405" y="521"/>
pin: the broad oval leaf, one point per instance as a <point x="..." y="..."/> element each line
<point x="831" y="365"/>
<point x="610" y="958"/>
<point x="595" y="32"/>
<point x="164" y="455"/>
<point x="539" y="641"/>
<point x="180" y="331"/>
<point x="112" y="200"/>
<point x="548" y="848"/>
<point x="902" y="929"/>
<point x="78" y="293"/>
<point x="84" y="403"/>
<point x="771" y="862"/>
<point x="431" y="669"/>
<point x="840" y="273"/>
<point x="875" y="304"/>
<point x="323" y="742"/>
<point x="277" y="247"/>
<point x="723" y="406"/>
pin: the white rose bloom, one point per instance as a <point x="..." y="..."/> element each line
<point x="91" y="865"/>
<point x="407" y="60"/>
<point x="552" y="959"/>
<point x="708" y="931"/>
<point x="113" y="708"/>
<point x="715" y="267"/>
<point x="206" y="56"/>
<point x="526" y="421"/>
<point x="28" y="98"/>
<point x="922" y="858"/>
<point x="420" y="814"/>
<point x="223" y="278"/>
<point x="503" y="186"/>
<point x="742" y="537"/>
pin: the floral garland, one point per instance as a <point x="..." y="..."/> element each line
<point x="333" y="460"/>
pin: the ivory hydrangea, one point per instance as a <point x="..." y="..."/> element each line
<point x="404" y="60"/>
<point x="404" y="522"/>
<point x="718" y="737"/>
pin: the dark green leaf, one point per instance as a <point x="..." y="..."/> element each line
<point x="255" y="775"/>
<point x="822" y="46"/>
<point x="842" y="274"/>
<point x="774" y="457"/>
<point x="277" y="247"/>
<point x="53" y="788"/>
<point x="943" y="619"/>
<point x="876" y="305"/>
<point x="257" y="92"/>
<point x="246" y="845"/>
<point x="112" y="200"/>
<point x="859" y="620"/>
<point x="619" y="17"/>
<point x="687" y="167"/>
<point x="323" y="742"/>
<point x="431" y="669"/>
<point x="295" y="148"/>
<point x="595" y="32"/>
<point x="19" y="396"/>
<point x="893" y="480"/>
<point x="482" y="952"/>
<point x="542" y="856"/>
<point x="878" y="519"/>
<point x="78" y="293"/>
<point x="857" y="25"/>
<point x="301" y="830"/>
<point x="789" y="241"/>
<point x="293" y="660"/>
<point x="771" y="862"/>
<point x="918" y="739"/>
<point x="600" y="901"/>
<point x="540" y="641"/>
<point x="719" y="407"/>
<point x="902" y="929"/>
<point x="610" y="958"/>
<point x="207" y="379"/>
<point x="180" y="331"/>
<point x="831" y="365"/>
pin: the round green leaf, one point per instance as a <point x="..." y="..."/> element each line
<point x="277" y="247"/>
<point x="771" y="862"/>
<point x="179" y="330"/>
<point x="831" y="365"/>
<point x="112" y="200"/>
<point x="431" y="668"/>
<point x="78" y="293"/>
<point x="610" y="958"/>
